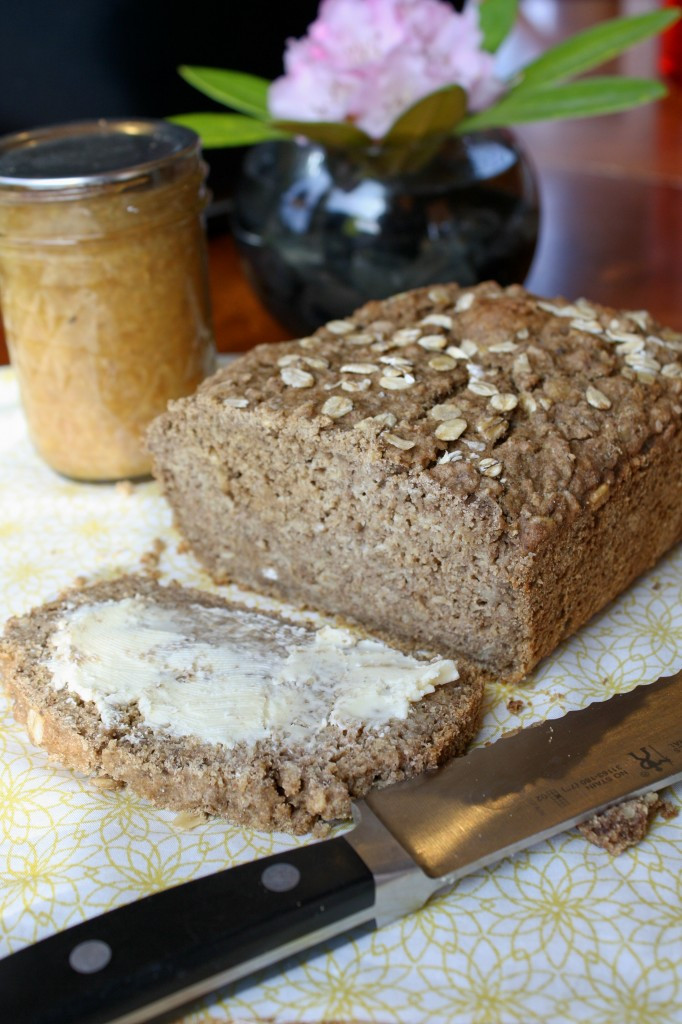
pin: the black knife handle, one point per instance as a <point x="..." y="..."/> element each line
<point x="182" y="940"/>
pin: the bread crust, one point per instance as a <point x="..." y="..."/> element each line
<point x="265" y="785"/>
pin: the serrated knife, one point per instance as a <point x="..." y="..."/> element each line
<point x="146" y="960"/>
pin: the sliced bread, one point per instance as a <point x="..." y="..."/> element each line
<point x="202" y="705"/>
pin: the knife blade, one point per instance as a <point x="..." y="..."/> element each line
<point x="411" y="840"/>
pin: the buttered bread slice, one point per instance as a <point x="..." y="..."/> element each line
<point x="200" y="704"/>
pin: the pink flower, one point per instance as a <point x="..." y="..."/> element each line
<point x="366" y="61"/>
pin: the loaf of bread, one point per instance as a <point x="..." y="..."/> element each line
<point x="474" y="470"/>
<point x="202" y="705"/>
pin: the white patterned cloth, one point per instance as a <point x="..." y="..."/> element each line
<point x="560" y="933"/>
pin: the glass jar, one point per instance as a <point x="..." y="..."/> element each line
<point x="103" y="285"/>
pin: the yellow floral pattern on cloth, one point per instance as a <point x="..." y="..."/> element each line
<point x="560" y="932"/>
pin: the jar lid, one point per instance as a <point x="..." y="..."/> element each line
<point x="87" y="153"/>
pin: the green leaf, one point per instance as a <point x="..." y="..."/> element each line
<point x="246" y="93"/>
<point x="435" y="114"/>
<point x="496" y="18"/>
<point x="328" y="133"/>
<point x="218" y="130"/>
<point x="587" y="98"/>
<point x="594" y="46"/>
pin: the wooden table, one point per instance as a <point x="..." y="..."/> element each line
<point x="611" y="194"/>
<point x="612" y="190"/>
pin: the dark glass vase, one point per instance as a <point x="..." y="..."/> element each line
<point x="320" y="233"/>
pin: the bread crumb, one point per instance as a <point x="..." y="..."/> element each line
<point x="104" y="782"/>
<point x="150" y="559"/>
<point x="189" y="819"/>
<point x="124" y="487"/>
<point x="667" y="810"/>
<point x="625" y="824"/>
<point x="515" y="706"/>
<point x="321" y="829"/>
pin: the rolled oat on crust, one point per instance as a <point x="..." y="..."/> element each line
<point x="474" y="470"/>
<point x="269" y="784"/>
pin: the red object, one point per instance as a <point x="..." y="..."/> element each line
<point x="671" y="47"/>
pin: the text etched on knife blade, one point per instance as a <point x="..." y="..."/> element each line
<point x="559" y="795"/>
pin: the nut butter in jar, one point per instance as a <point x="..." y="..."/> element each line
<point x="103" y="285"/>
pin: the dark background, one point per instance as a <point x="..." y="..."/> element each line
<point x="66" y="60"/>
